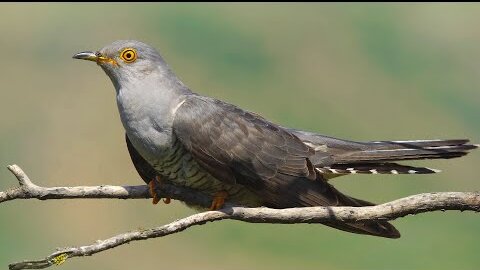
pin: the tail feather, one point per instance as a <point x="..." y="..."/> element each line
<point x="303" y="192"/>
<point x="373" y="168"/>
<point x="384" y="151"/>
<point x="345" y="151"/>
<point x="375" y="228"/>
<point x="424" y="143"/>
<point x="335" y="157"/>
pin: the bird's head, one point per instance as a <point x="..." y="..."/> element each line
<point x="126" y="60"/>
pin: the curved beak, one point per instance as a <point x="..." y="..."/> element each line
<point x="91" y="56"/>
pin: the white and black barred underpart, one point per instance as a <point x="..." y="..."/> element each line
<point x="179" y="168"/>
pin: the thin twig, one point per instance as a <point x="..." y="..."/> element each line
<point x="427" y="202"/>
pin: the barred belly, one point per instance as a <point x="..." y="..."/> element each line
<point x="179" y="167"/>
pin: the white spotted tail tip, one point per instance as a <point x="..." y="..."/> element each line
<point x="382" y="168"/>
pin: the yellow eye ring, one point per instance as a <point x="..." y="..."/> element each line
<point x="128" y="55"/>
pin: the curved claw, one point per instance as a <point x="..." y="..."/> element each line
<point x="151" y="189"/>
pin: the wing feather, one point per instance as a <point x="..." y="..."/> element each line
<point x="240" y="143"/>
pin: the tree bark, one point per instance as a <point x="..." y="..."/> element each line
<point x="426" y="202"/>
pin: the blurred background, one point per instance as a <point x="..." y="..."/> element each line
<point x="355" y="71"/>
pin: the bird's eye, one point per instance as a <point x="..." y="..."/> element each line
<point x="128" y="55"/>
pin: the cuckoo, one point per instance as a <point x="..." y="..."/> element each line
<point x="177" y="136"/>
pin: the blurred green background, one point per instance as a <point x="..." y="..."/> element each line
<point x="356" y="71"/>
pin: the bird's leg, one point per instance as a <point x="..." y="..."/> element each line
<point x="218" y="200"/>
<point x="151" y="188"/>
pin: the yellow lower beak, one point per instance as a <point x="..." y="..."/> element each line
<point x="95" y="57"/>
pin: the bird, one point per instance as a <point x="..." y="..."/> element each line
<point x="177" y="136"/>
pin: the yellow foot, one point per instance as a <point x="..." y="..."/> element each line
<point x="218" y="200"/>
<point x="151" y="189"/>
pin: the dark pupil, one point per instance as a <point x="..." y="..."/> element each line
<point x="128" y="55"/>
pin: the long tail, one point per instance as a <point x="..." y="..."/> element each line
<point x="384" y="151"/>
<point x="376" y="157"/>
<point x="336" y="157"/>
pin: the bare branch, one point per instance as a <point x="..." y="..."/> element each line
<point x="28" y="190"/>
<point x="415" y="204"/>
